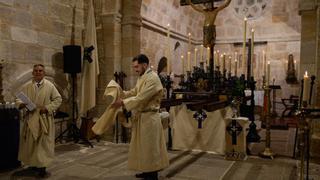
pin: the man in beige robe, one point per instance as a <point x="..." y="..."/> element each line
<point x="36" y="148"/>
<point x="147" y="152"/>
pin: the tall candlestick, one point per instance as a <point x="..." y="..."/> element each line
<point x="188" y="60"/>
<point x="306" y="87"/>
<point x="244" y="44"/>
<point x="201" y="53"/>
<point x="230" y="63"/>
<point x="235" y="67"/>
<point x="208" y="56"/>
<point x="223" y="57"/>
<point x="182" y="64"/>
<point x="168" y="49"/>
<point x="252" y="51"/>
<point x="189" y="41"/>
<point x="268" y="73"/>
<point x="195" y="57"/>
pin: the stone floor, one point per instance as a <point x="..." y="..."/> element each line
<point x="109" y="161"/>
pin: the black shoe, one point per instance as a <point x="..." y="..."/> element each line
<point x="43" y="173"/>
<point x="141" y="175"/>
<point x="151" y="176"/>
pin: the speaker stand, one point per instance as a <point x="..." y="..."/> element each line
<point x="73" y="131"/>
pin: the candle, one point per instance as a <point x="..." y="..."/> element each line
<point x="244" y="44"/>
<point x="201" y="53"/>
<point x="230" y="64"/>
<point x="268" y="73"/>
<point x="168" y="49"/>
<point x="188" y="60"/>
<point x="235" y="67"/>
<point x="208" y="56"/>
<point x="306" y="87"/>
<point x="195" y="56"/>
<point x="264" y="61"/>
<point x="182" y="64"/>
<point x="189" y="41"/>
<point x="252" y="50"/>
<point x="218" y="58"/>
<point x="223" y="56"/>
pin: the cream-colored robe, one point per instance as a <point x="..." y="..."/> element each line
<point x="38" y="131"/>
<point x="106" y="121"/>
<point x="147" y="150"/>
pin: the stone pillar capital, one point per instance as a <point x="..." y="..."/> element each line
<point x="111" y="17"/>
<point x="308" y="5"/>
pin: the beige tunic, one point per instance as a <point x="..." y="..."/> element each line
<point x="38" y="132"/>
<point x="147" y="150"/>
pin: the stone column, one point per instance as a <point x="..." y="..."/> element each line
<point x="109" y="37"/>
<point x="131" y="28"/>
<point x="310" y="56"/>
<point x="310" y="17"/>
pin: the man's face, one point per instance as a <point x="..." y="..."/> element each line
<point x="38" y="73"/>
<point x="139" y="68"/>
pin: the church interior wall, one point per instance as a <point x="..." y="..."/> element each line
<point x="156" y="16"/>
<point x="278" y="26"/>
<point x="34" y="32"/>
<point x="278" y="31"/>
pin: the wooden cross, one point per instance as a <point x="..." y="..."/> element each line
<point x="234" y="129"/>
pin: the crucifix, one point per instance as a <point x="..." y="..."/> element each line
<point x="209" y="29"/>
<point x="200" y="116"/>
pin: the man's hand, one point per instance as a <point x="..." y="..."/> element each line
<point x="118" y="103"/>
<point x="43" y="110"/>
<point x="22" y="105"/>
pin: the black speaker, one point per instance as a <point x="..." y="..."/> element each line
<point x="72" y="59"/>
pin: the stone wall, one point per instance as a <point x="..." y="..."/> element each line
<point x="156" y="15"/>
<point x="35" y="31"/>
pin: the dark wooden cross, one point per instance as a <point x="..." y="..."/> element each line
<point x="200" y="116"/>
<point x="234" y="129"/>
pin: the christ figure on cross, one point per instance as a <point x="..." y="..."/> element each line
<point x="209" y="29"/>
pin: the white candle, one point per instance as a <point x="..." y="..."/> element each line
<point x="168" y="49"/>
<point x="218" y="58"/>
<point x="264" y="61"/>
<point x="188" y="61"/>
<point x="252" y="50"/>
<point x="222" y="62"/>
<point x="235" y="67"/>
<point x="208" y="56"/>
<point x="182" y="64"/>
<point x="244" y="44"/>
<point x="189" y="41"/>
<point x="306" y="87"/>
<point x="201" y="53"/>
<point x="230" y="63"/>
<point x="195" y="56"/>
<point x="215" y="58"/>
<point x="268" y="73"/>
